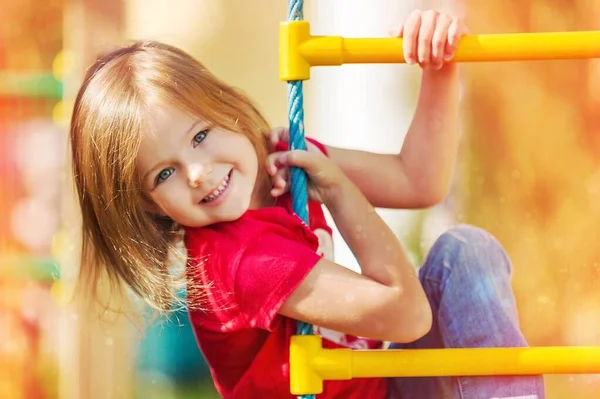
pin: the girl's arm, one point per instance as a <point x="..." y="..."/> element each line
<point x="386" y="301"/>
<point x="419" y="175"/>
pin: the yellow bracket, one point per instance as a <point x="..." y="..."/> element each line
<point x="299" y="51"/>
<point x="310" y="364"/>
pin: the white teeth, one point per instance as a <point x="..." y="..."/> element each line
<point x="217" y="191"/>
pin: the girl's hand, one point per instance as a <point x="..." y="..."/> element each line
<point x="430" y="38"/>
<point x="279" y="173"/>
<point x="282" y="135"/>
<point x="324" y="177"/>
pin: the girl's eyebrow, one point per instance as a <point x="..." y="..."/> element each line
<point x="196" y="123"/>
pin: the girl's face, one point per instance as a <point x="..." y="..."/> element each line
<point x="194" y="174"/>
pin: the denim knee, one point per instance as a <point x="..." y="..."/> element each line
<point x="466" y="246"/>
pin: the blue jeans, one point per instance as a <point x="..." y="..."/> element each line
<point x="466" y="277"/>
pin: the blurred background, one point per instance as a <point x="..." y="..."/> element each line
<point x="529" y="171"/>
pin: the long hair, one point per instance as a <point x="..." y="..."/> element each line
<point x="123" y="243"/>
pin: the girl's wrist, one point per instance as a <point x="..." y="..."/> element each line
<point x="447" y="71"/>
<point x="341" y="193"/>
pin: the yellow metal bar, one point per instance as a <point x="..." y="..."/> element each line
<point x="299" y="50"/>
<point x="310" y="364"/>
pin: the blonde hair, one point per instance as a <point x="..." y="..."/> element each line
<point x="122" y="241"/>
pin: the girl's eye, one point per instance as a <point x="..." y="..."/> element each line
<point x="199" y="137"/>
<point x="164" y="175"/>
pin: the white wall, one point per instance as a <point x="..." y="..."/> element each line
<point x="366" y="107"/>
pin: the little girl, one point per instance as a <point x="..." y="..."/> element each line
<point x="160" y="146"/>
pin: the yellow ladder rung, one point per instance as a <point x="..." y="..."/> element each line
<point x="299" y="50"/>
<point x="310" y="364"/>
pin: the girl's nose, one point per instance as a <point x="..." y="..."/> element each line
<point x="197" y="174"/>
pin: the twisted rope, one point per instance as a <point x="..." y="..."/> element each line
<point x="299" y="181"/>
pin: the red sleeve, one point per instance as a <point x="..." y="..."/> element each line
<point x="250" y="266"/>
<point x="282" y="147"/>
<point x="319" y="145"/>
<point x="270" y="269"/>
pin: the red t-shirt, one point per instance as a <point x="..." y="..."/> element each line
<point x="248" y="268"/>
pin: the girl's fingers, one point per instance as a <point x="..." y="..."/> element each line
<point x="439" y="40"/>
<point x="410" y="34"/>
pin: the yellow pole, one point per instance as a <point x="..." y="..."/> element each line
<point x="299" y="50"/>
<point x="310" y="364"/>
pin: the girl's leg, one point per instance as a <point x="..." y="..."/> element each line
<point x="467" y="280"/>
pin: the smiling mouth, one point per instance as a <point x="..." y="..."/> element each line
<point x="216" y="193"/>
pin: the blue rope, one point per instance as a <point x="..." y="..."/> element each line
<point x="299" y="181"/>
